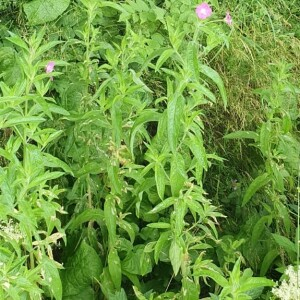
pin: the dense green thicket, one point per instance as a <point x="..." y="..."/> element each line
<point x="148" y="150"/>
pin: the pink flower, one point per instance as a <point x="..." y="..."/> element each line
<point x="50" y="67"/>
<point x="228" y="19"/>
<point x="203" y="11"/>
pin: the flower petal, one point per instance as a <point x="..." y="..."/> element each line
<point x="50" y="66"/>
<point x="228" y="19"/>
<point x="203" y="11"/>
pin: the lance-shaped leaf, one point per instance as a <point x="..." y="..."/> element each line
<point x="241" y="134"/>
<point x="175" y="255"/>
<point x="215" y="77"/>
<point x="114" y="266"/>
<point x="255" y="185"/>
<point x="163" y="205"/>
<point x="110" y="216"/>
<point x="177" y="174"/>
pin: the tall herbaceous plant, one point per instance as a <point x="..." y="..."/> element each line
<point x="29" y="212"/>
<point x="103" y="159"/>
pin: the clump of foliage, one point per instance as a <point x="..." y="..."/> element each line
<point x="120" y="148"/>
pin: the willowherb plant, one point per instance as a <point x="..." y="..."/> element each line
<point x="127" y="120"/>
<point x="30" y="226"/>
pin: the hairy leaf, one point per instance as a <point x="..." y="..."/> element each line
<point x="81" y="269"/>
<point x="267" y="261"/>
<point x="177" y="174"/>
<point x="285" y="243"/>
<point x="40" y="11"/>
<point x="255" y="185"/>
<point x="92" y="214"/>
<point x="114" y="266"/>
<point x="110" y="216"/>
<point x="52" y="277"/>
<point x="215" y="77"/>
<point x="160" y="180"/>
<point x="175" y="254"/>
<point x="163" y="205"/>
<point x="242" y="135"/>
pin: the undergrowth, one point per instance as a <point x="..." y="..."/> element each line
<point x="149" y="149"/>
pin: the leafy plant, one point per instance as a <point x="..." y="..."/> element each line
<point x="280" y="149"/>
<point x="30" y="227"/>
<point x="40" y="12"/>
<point x="112" y="117"/>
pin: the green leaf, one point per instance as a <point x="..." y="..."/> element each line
<point x="17" y="41"/>
<point x="190" y="289"/>
<point x="258" y="229"/>
<point x="163" y="205"/>
<point x="91" y="214"/>
<point x="285" y="243"/>
<point x="177" y="174"/>
<point x="242" y="135"/>
<point x="267" y="261"/>
<point x="138" y="294"/>
<point x="145" y="263"/>
<point x="195" y="207"/>
<point x="128" y="228"/>
<point x="87" y="293"/>
<point x="138" y="81"/>
<point x="172" y="132"/>
<point x="160" y="244"/>
<point x="44" y="48"/>
<point x="255" y="185"/>
<point x="13" y="100"/>
<point x="163" y="58"/>
<point x="96" y="116"/>
<point x="118" y="295"/>
<point x="180" y="209"/>
<point x="137" y="261"/>
<point x="116" y="121"/>
<point x="174" y="116"/>
<point x="58" y="110"/>
<point x="23" y="120"/>
<point x="112" y="5"/>
<point x="195" y="143"/>
<point x="52" y="278"/>
<point x="235" y="274"/>
<point x="54" y="162"/>
<point x="278" y="174"/>
<point x="265" y="138"/>
<point x="114" y="266"/>
<point x="160" y="180"/>
<point x="175" y="255"/>
<point x="110" y="216"/>
<point x="114" y="178"/>
<point x="44" y="178"/>
<point x="40" y="11"/>
<point x="147" y="115"/>
<point x="213" y="274"/>
<point x="215" y="77"/>
<point x="203" y="90"/>
<point x="81" y="270"/>
<point x="255" y="282"/>
<point x="192" y="60"/>
<point x="160" y="225"/>
<point x="107" y="286"/>
<point x="284" y="213"/>
<point x="91" y="167"/>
